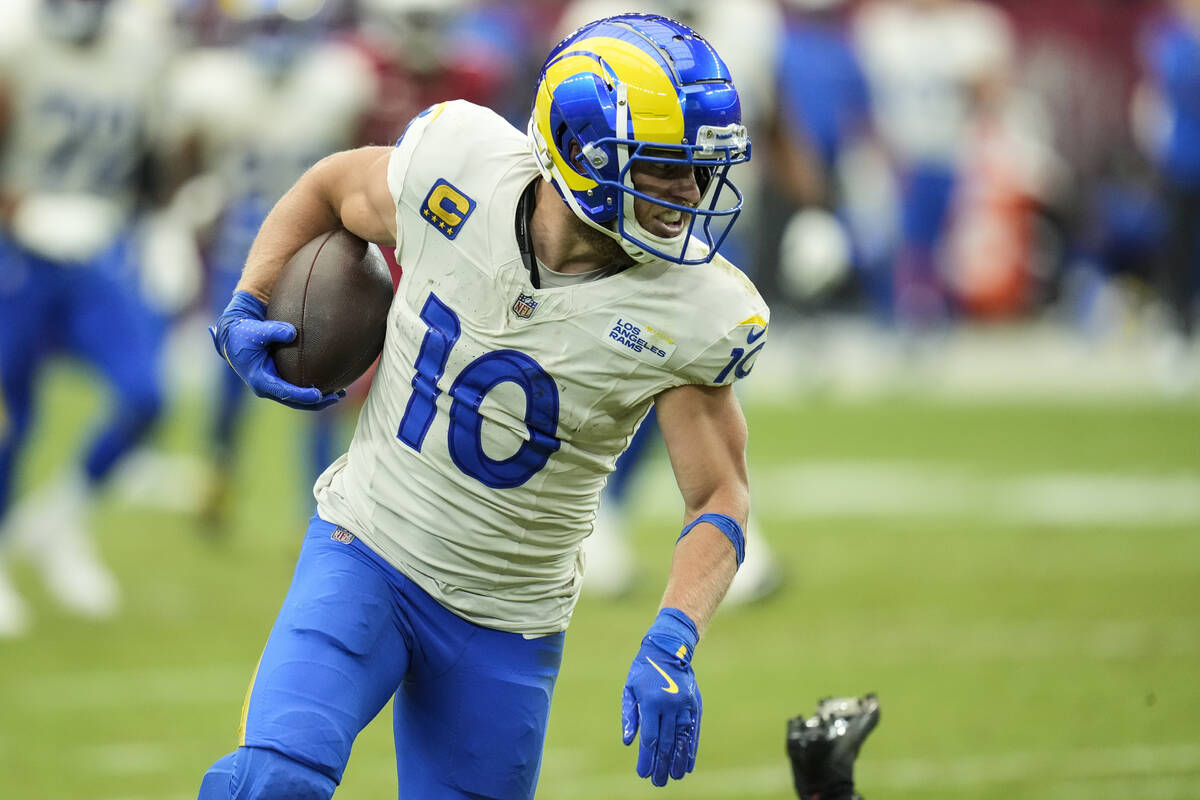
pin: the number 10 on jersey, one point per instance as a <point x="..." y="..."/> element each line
<point x="465" y="438"/>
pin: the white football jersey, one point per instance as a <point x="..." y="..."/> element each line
<point x="81" y="120"/>
<point x="922" y="61"/>
<point x="498" y="410"/>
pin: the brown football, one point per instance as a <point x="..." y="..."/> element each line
<point x="336" y="290"/>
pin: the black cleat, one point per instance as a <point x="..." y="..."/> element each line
<point x="823" y="747"/>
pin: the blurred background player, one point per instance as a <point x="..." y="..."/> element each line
<point x="830" y="185"/>
<point x="78" y="94"/>
<point x="933" y="66"/>
<point x="823" y="748"/>
<point x="1172" y="58"/>
<point x="269" y="94"/>
<point x="747" y="42"/>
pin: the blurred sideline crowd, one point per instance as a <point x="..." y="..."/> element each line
<point x="920" y="161"/>
<point x="917" y="163"/>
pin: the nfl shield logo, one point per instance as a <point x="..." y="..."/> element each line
<point x="525" y="305"/>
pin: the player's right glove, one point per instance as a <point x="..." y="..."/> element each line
<point x="823" y="747"/>
<point x="243" y="337"/>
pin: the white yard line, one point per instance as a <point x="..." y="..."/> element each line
<point x="850" y="358"/>
<point x="126" y="758"/>
<point x="866" y="489"/>
<point x="984" y="642"/>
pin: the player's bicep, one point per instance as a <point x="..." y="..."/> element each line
<point x="356" y="183"/>
<point x="705" y="433"/>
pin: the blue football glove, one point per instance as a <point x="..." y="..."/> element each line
<point x="662" y="698"/>
<point x="243" y="338"/>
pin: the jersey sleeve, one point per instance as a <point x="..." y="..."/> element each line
<point x="737" y="322"/>
<point x="731" y="357"/>
<point x="452" y="158"/>
<point x="402" y="158"/>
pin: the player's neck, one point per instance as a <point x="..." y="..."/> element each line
<point x="563" y="242"/>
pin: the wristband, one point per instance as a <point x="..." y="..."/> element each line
<point x="728" y="526"/>
<point x="672" y="624"/>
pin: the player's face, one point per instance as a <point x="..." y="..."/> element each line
<point x="675" y="183"/>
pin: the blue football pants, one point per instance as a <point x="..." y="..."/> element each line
<point x="471" y="703"/>
<point x="94" y="313"/>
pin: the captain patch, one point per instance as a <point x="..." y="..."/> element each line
<point x="446" y="208"/>
<point x="643" y="341"/>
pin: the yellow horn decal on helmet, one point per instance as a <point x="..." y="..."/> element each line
<point x="562" y="70"/>
<point x="653" y="100"/>
<point x="653" y="97"/>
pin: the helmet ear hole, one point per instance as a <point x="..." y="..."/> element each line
<point x="570" y="147"/>
<point x="574" y="151"/>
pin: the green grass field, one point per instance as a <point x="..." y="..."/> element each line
<point x="1019" y="583"/>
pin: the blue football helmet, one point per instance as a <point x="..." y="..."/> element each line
<point x="640" y="88"/>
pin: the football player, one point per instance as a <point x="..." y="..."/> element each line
<point x="78" y="82"/>
<point x="558" y="284"/>
<point x="924" y="101"/>
<point x="822" y="748"/>
<point x="1171" y="53"/>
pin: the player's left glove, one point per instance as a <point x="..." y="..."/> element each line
<point x="661" y="697"/>
<point x="243" y="336"/>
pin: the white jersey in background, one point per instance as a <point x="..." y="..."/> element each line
<point x="924" y="61"/>
<point x="260" y="127"/>
<point x="82" y="118"/>
<point x="498" y="409"/>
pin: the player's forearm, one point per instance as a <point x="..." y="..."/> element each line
<point x="704" y="562"/>
<point x="302" y="214"/>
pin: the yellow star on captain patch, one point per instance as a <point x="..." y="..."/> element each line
<point x="442" y="225"/>
<point x="425" y="211"/>
<point x="450" y="231"/>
